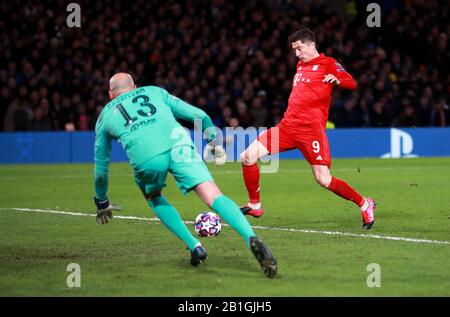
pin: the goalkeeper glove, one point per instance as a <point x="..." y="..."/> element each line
<point x="104" y="210"/>
<point x="215" y="153"/>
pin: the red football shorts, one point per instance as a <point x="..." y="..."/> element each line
<point x="313" y="145"/>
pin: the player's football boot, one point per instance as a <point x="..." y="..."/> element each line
<point x="367" y="215"/>
<point x="264" y="256"/>
<point x="198" y="256"/>
<point x="249" y="211"/>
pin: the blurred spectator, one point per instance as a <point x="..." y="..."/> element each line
<point x="243" y="115"/>
<point x="407" y="117"/>
<point x="40" y="121"/>
<point x="440" y="113"/>
<point x="379" y="117"/>
<point x="423" y="112"/>
<point x="349" y="116"/>
<point x="258" y="113"/>
<point x="69" y="127"/>
<point x="233" y="123"/>
<point x="83" y="120"/>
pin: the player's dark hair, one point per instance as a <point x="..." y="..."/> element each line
<point x="304" y="35"/>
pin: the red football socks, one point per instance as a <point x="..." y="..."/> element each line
<point x="251" y="179"/>
<point x="343" y="190"/>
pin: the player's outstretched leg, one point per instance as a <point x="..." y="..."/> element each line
<point x="251" y="180"/>
<point x="250" y="173"/>
<point x="231" y="214"/>
<point x="366" y="205"/>
<point x="229" y="211"/>
<point x="342" y="189"/>
<point x="170" y="217"/>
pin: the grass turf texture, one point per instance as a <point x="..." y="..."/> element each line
<point x="140" y="258"/>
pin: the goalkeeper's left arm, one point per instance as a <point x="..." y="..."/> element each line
<point x="102" y="157"/>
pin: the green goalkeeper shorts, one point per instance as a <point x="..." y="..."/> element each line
<point x="183" y="162"/>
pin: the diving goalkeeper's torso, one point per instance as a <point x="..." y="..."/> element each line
<point x="143" y="121"/>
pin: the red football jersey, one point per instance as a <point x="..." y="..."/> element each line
<point x="310" y="98"/>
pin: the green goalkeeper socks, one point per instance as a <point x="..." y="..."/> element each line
<point x="223" y="205"/>
<point x="231" y="213"/>
<point x="171" y="219"/>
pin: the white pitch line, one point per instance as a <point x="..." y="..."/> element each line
<point x="348" y="234"/>
<point x="282" y="171"/>
<point x="334" y="233"/>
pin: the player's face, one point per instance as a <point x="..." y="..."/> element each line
<point x="304" y="50"/>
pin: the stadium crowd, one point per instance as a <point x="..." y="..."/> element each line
<point x="231" y="58"/>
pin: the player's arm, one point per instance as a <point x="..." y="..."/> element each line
<point x="185" y="111"/>
<point x="102" y="157"/>
<point x="339" y="76"/>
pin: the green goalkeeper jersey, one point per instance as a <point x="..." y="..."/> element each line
<point x="144" y="122"/>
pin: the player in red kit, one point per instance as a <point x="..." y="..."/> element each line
<point x="303" y="127"/>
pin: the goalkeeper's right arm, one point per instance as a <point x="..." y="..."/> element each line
<point x="183" y="110"/>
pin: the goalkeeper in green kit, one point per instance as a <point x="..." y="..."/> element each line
<point x="143" y="120"/>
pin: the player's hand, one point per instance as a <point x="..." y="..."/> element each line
<point x="104" y="211"/>
<point x="330" y="78"/>
<point x="216" y="153"/>
<point x="220" y="156"/>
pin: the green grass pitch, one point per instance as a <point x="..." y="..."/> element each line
<point x="141" y="258"/>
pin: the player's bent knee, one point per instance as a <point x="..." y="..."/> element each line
<point x="247" y="159"/>
<point x="323" y="180"/>
<point x="208" y="192"/>
<point x="150" y="197"/>
<point x="244" y="158"/>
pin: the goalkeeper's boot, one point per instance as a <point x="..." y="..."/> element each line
<point x="367" y="215"/>
<point x="254" y="210"/>
<point x="198" y="256"/>
<point x="264" y="256"/>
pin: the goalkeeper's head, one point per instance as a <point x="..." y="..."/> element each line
<point x="119" y="84"/>
<point x="303" y="42"/>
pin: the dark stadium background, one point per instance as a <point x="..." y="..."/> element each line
<point x="231" y="58"/>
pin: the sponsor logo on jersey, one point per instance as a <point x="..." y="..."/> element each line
<point x="339" y="67"/>
<point x="143" y="123"/>
<point x="315" y="67"/>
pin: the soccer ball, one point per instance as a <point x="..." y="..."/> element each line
<point x="207" y="224"/>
